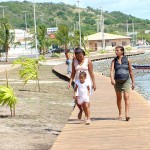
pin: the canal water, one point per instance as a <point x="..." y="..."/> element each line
<point x="142" y="77"/>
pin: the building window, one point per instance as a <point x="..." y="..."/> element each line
<point x="113" y="44"/>
<point x="124" y="43"/>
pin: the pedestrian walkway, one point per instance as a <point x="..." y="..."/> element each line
<point x="106" y="132"/>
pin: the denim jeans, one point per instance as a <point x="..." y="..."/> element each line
<point x="69" y="66"/>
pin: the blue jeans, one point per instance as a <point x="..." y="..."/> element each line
<point x="68" y="62"/>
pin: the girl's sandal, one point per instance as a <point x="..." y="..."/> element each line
<point x="119" y="118"/>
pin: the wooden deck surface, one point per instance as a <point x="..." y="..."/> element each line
<point x="106" y="132"/>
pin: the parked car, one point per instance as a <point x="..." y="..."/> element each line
<point x="56" y="50"/>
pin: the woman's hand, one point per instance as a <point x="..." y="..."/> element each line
<point x="113" y="82"/>
<point x="133" y="86"/>
<point x="69" y="85"/>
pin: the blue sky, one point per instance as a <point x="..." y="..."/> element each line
<point x="138" y="8"/>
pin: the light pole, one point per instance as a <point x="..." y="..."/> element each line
<point x="102" y="29"/>
<point x="3" y="7"/>
<point x="127" y="27"/>
<point x="133" y="33"/>
<point x="25" y="18"/>
<point x="35" y="30"/>
<point x="79" y="23"/>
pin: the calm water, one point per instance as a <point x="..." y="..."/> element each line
<point x="142" y="77"/>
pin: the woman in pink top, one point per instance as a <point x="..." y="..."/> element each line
<point x="80" y="63"/>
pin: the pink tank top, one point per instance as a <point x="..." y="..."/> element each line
<point x="83" y="67"/>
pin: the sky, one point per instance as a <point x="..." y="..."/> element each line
<point x="137" y="8"/>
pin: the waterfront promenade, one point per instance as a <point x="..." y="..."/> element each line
<point x="106" y="132"/>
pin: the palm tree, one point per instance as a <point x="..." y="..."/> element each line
<point x="42" y="39"/>
<point x="6" y="37"/>
<point x="63" y="36"/>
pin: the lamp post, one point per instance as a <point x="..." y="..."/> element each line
<point x="127" y="27"/>
<point x="133" y="33"/>
<point x="35" y="30"/>
<point x="3" y="7"/>
<point x="25" y="18"/>
<point x="79" y="23"/>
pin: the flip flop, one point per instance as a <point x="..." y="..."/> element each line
<point x="87" y="122"/>
<point x="119" y="118"/>
<point x="127" y="118"/>
<point x="79" y="115"/>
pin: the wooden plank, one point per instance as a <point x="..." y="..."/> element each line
<point x="106" y="132"/>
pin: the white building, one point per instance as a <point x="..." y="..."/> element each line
<point x="95" y="41"/>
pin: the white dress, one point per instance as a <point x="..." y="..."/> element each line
<point x="82" y="92"/>
<point x="83" y="67"/>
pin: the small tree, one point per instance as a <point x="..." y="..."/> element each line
<point x="29" y="69"/>
<point x="6" y="38"/>
<point x="7" y="97"/>
<point x="63" y="36"/>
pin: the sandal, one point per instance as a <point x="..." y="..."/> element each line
<point x="127" y="118"/>
<point x="80" y="115"/>
<point x="87" y="122"/>
<point x="119" y="118"/>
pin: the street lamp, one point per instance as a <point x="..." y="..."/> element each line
<point x="25" y="18"/>
<point x="35" y="30"/>
<point x="3" y="7"/>
<point x="79" y="23"/>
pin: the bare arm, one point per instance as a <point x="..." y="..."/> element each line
<point x="131" y="73"/>
<point x="72" y="75"/>
<point x="75" y="90"/>
<point x="90" y="69"/>
<point x="88" y="88"/>
<point x="112" y="73"/>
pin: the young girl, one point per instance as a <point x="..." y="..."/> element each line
<point x="83" y="95"/>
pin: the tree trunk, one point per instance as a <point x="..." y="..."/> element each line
<point x="7" y="56"/>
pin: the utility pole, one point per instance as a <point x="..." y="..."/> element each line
<point x="101" y="19"/>
<point x="3" y="7"/>
<point x="127" y="27"/>
<point x="97" y="22"/>
<point x="25" y="18"/>
<point x="36" y="50"/>
<point x="102" y="27"/>
<point x="103" y="34"/>
<point x="133" y="32"/>
<point x="79" y="24"/>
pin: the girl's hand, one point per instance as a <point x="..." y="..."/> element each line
<point x="133" y="86"/>
<point x="113" y="82"/>
<point x="94" y="87"/>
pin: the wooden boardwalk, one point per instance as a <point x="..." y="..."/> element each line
<point x="106" y="132"/>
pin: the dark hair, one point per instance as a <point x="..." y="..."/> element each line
<point x="82" y="73"/>
<point x="79" y="50"/>
<point x="121" y="48"/>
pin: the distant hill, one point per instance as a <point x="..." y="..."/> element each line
<point x="52" y="14"/>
